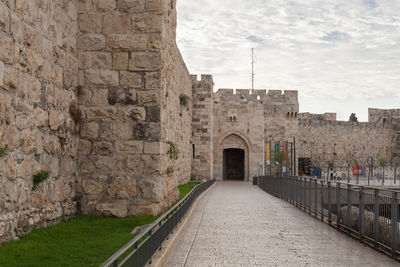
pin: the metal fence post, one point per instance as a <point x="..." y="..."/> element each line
<point x="395" y="224"/>
<point x="316" y="197"/>
<point x="376" y="217"/>
<point x="349" y="206"/>
<point x="309" y="196"/>
<point x="304" y="194"/>
<point x="322" y="200"/>
<point x="329" y="203"/>
<point x="338" y="205"/>
<point x="361" y="211"/>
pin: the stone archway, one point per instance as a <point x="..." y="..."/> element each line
<point x="231" y="157"/>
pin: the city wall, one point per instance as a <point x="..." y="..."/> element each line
<point x="91" y="92"/>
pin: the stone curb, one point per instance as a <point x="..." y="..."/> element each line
<point x="161" y="257"/>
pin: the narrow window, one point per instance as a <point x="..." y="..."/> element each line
<point x="194" y="151"/>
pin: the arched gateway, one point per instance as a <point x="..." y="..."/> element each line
<point x="232" y="157"/>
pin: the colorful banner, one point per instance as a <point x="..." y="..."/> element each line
<point x="276" y="153"/>
<point x="285" y="151"/>
<point x="268" y="154"/>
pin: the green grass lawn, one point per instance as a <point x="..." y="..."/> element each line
<point x="186" y="188"/>
<point x="82" y="241"/>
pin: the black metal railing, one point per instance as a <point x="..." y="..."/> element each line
<point x="140" y="250"/>
<point x="366" y="213"/>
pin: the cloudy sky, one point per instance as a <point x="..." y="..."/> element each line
<point x="341" y="55"/>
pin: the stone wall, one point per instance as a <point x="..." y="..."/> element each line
<point x="332" y="142"/>
<point x="38" y="78"/>
<point x="131" y="77"/>
<point x="202" y="127"/>
<point x="238" y="124"/>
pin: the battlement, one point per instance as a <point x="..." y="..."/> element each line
<point x="205" y="83"/>
<point x="310" y="116"/>
<point x="383" y="115"/>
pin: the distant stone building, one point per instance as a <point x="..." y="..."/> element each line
<point x="95" y="93"/>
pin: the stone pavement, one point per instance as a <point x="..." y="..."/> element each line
<point x="238" y="224"/>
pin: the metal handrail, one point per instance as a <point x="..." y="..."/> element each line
<point x="113" y="260"/>
<point x="368" y="213"/>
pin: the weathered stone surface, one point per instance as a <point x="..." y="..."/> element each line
<point x="10" y="79"/>
<point x="6" y="48"/>
<point x="121" y="130"/>
<point x="153" y="80"/>
<point x="91" y="187"/>
<point x="11" y="171"/>
<point x="141" y="61"/>
<point x="117" y="24"/>
<point x="101" y="78"/>
<point x="127" y="42"/>
<point x="41" y="117"/>
<point x="95" y="60"/>
<point x="131" y="6"/>
<point x="130" y="146"/>
<point x="131" y="113"/>
<point x="102" y="148"/>
<point x="101" y="114"/>
<point x="122" y="188"/>
<point x="1" y="73"/>
<point x="105" y="5"/>
<point x="90" y="23"/>
<point x="149" y="98"/>
<point x="24" y="169"/>
<point x="151" y="190"/>
<point x="120" y="60"/>
<point x="148" y="23"/>
<point x="112" y="209"/>
<point x="131" y="80"/>
<point x="146" y="131"/>
<point x="91" y="41"/>
<point x="152" y="147"/>
<point x="90" y="130"/>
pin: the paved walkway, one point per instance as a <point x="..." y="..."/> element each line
<point x="238" y="224"/>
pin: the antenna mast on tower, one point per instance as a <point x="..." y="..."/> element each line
<point x="252" y="70"/>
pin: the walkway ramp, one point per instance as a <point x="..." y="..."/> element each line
<point x="238" y="224"/>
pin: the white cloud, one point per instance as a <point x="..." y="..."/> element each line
<point x="336" y="49"/>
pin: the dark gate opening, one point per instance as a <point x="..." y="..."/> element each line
<point x="234" y="164"/>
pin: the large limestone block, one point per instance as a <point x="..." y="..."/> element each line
<point x="28" y="141"/>
<point x="122" y="188"/>
<point x="147" y="131"/>
<point x="120" y="60"/>
<point x="127" y="42"/>
<point x="105" y="6"/>
<point x="90" y="130"/>
<point x="101" y="113"/>
<point x="145" y="61"/>
<point x="149" y="98"/>
<point x="10" y="79"/>
<point x="152" y="190"/>
<point x="6" y="49"/>
<point x="11" y="171"/>
<point x="131" y="6"/>
<point x="117" y="24"/>
<point x="24" y="169"/>
<point x="148" y="23"/>
<point x="102" y="78"/>
<point x="131" y="113"/>
<point x="153" y="80"/>
<point x="90" y="23"/>
<point x="91" y="42"/>
<point x="41" y="117"/>
<point x="132" y="146"/>
<point x="131" y="80"/>
<point x="91" y="187"/>
<point x="95" y="60"/>
<point x="121" y="130"/>
<point x="1" y="73"/>
<point x="119" y="210"/>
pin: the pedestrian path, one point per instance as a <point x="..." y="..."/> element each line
<point x="238" y="224"/>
